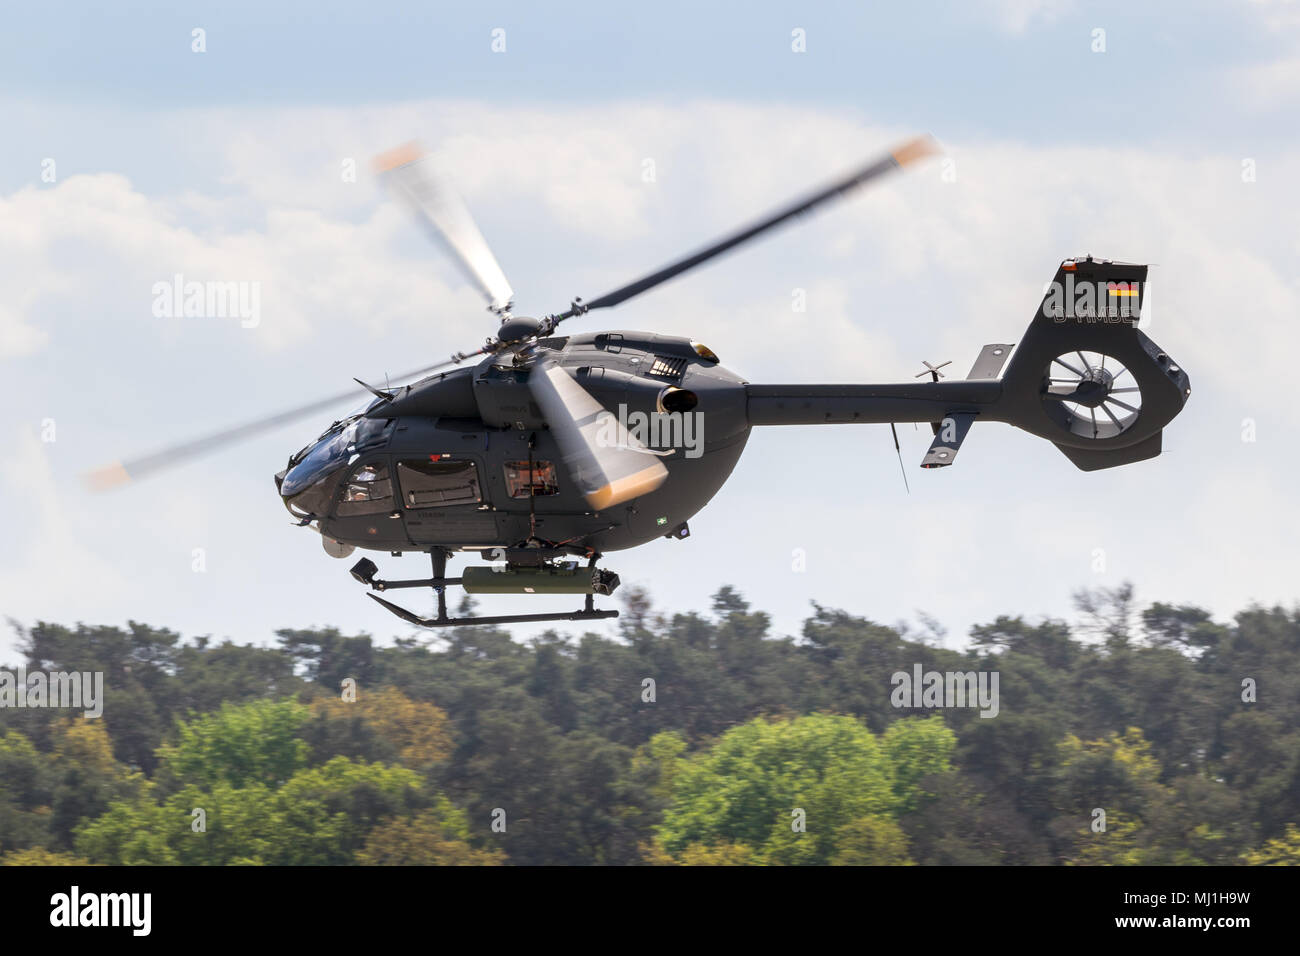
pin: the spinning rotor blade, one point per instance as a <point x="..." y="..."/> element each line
<point x="909" y="152"/>
<point x="411" y="174"/>
<point x="120" y="473"/>
<point x="608" y="463"/>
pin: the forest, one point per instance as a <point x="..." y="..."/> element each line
<point x="1128" y="735"/>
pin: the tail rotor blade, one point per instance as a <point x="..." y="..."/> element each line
<point x="412" y="176"/>
<point x="609" y="465"/>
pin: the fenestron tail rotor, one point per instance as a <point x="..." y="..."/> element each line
<point x="1102" y="397"/>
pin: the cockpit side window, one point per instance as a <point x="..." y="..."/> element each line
<point x="523" y="481"/>
<point x="438" y="482"/>
<point x="368" y="490"/>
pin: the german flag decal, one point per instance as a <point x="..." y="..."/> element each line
<point x="1122" y="288"/>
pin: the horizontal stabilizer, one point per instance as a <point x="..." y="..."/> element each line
<point x="947" y="440"/>
<point x="990" y="361"/>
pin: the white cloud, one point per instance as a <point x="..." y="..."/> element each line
<point x="57" y="557"/>
<point x="96" y="240"/>
<point x="1272" y="84"/>
<point x="1017" y="16"/>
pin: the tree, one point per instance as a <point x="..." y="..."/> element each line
<point x="131" y="833"/>
<point x="965" y="819"/>
<point x="323" y="815"/>
<point x="871" y="841"/>
<point x="384" y="725"/>
<point x="1191" y="821"/>
<point x="84" y="778"/>
<point x="917" y="748"/>
<point x="239" y="744"/>
<point x="782" y="788"/>
<point x="752" y="748"/>
<point x="1108" y="612"/>
<point x="25" y="793"/>
<point x="438" y="836"/>
<point x="37" y="856"/>
<point x="328" y="658"/>
<point x="723" y="854"/>
<point x="1279" y="851"/>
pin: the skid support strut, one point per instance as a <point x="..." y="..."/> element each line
<point x="365" y="570"/>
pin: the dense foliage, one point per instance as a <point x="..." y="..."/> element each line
<point x="697" y="739"/>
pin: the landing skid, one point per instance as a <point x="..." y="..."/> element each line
<point x="587" y="614"/>
<point x="364" y="572"/>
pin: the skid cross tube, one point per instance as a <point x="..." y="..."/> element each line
<point x="436" y="583"/>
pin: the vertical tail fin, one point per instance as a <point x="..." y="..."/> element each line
<point x="1085" y="376"/>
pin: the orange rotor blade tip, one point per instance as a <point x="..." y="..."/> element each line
<point x="915" y="149"/>
<point x="400" y="156"/>
<point x="625" y="489"/>
<point x="110" y="476"/>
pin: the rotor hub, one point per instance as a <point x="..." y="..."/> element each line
<point x="1099" y="376"/>
<point x="517" y="328"/>
<point x="1094" y="385"/>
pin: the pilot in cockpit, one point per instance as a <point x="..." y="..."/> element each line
<point x="359" y="486"/>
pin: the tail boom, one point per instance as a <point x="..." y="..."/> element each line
<point x="1057" y="385"/>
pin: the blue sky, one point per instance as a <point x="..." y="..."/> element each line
<point x="1018" y="68"/>
<point x="224" y="165"/>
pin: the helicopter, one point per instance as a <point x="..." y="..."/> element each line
<point x="542" y="452"/>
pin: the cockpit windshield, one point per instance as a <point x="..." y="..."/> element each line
<point x="337" y="447"/>
<point x="329" y="452"/>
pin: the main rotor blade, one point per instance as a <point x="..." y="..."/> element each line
<point x="120" y="473"/>
<point x="609" y="465"/>
<point x="411" y="175"/>
<point x="909" y="152"/>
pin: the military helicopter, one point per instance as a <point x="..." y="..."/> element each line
<point x="550" y="450"/>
